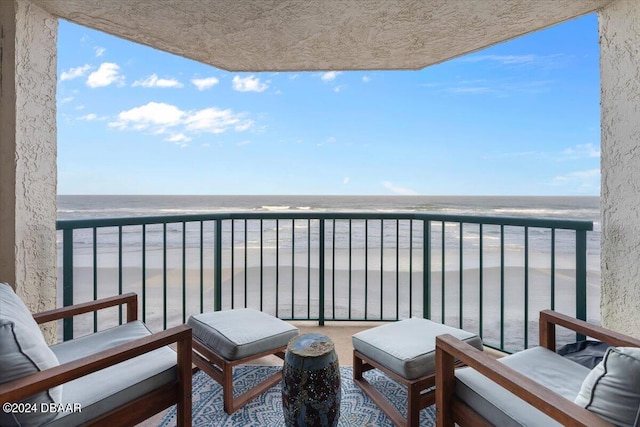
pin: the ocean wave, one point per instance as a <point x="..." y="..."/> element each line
<point x="275" y="208"/>
<point x="529" y="211"/>
<point x="182" y="211"/>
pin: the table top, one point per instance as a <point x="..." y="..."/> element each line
<point x="311" y="345"/>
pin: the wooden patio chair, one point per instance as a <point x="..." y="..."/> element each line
<point x="118" y="376"/>
<point x="538" y="387"/>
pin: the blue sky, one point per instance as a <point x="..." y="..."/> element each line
<point x="518" y="118"/>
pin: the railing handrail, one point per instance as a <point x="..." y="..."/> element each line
<point x="563" y="224"/>
<point x="325" y="241"/>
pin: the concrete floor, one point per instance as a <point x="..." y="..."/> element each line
<point x="339" y="332"/>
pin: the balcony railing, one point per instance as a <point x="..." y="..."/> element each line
<point x="490" y="275"/>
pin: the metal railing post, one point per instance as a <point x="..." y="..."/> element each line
<point x="426" y="269"/>
<point x="67" y="281"/>
<point x="498" y="291"/>
<point x="581" y="278"/>
<point x="217" y="266"/>
<point x="321" y="274"/>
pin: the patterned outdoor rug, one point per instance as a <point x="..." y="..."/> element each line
<point x="356" y="408"/>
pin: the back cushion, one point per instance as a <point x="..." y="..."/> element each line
<point x="23" y="351"/>
<point x="612" y="389"/>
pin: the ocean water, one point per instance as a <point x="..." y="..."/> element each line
<point x="88" y="206"/>
<point x="386" y="249"/>
<point x="579" y="208"/>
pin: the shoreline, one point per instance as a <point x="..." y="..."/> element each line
<point x="297" y="289"/>
<point x="254" y="257"/>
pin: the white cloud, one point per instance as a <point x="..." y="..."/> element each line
<point x="338" y="88"/>
<point x="330" y="75"/>
<point x="532" y="154"/>
<point x="74" y="72"/>
<point x="581" y="151"/>
<point x="545" y="62"/>
<point x="249" y="84"/>
<point x="180" y="126"/>
<point x="107" y="74"/>
<point x="468" y="90"/>
<point x="65" y="100"/>
<point x="178" y="137"/>
<point x="214" y="120"/>
<point x="155" y="116"/>
<point x="577" y="152"/>
<point x="346" y="180"/>
<point x="205" y="83"/>
<point x="99" y="51"/>
<point x="399" y="190"/>
<point x="503" y="59"/>
<point x="366" y="79"/>
<point x="88" y="117"/>
<point x="241" y="143"/>
<point x="580" y="182"/>
<point x="154" y="81"/>
<point x="244" y="125"/>
<point x="329" y="140"/>
<point x="577" y="176"/>
<point x="498" y="88"/>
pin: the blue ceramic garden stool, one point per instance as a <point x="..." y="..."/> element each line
<point x="311" y="382"/>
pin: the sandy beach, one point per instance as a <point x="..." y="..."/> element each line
<point x="350" y="290"/>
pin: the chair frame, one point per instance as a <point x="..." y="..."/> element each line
<point x="133" y="412"/>
<point x="221" y="371"/>
<point x="450" y="409"/>
<point x="418" y="394"/>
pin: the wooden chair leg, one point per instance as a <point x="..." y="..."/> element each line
<point x="227" y="388"/>
<point x="445" y="383"/>
<point x="413" y="405"/>
<point x="185" y="378"/>
<point x="221" y="371"/>
<point x="416" y="400"/>
<point x="357" y="367"/>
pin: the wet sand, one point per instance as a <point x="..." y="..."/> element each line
<point x="354" y="294"/>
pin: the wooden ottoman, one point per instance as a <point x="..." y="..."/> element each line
<point x="405" y="351"/>
<point x="224" y="339"/>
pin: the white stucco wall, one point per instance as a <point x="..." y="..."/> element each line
<point x="28" y="153"/>
<point x="620" y="203"/>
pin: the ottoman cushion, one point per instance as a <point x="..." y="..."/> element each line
<point x="407" y="347"/>
<point x="239" y="333"/>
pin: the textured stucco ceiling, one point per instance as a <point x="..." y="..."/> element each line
<point x="270" y="35"/>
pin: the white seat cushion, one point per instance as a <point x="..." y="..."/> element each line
<point x="239" y="333"/>
<point x="501" y="407"/>
<point x="408" y="347"/>
<point x="107" y="389"/>
<point x="23" y="351"/>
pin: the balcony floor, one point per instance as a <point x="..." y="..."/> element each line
<point x="339" y="332"/>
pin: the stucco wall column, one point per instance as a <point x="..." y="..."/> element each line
<point x="28" y="153"/>
<point x="620" y="202"/>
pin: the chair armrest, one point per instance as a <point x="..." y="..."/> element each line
<point x="130" y="299"/>
<point x="449" y="348"/>
<point x="549" y="319"/>
<point x="17" y="390"/>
